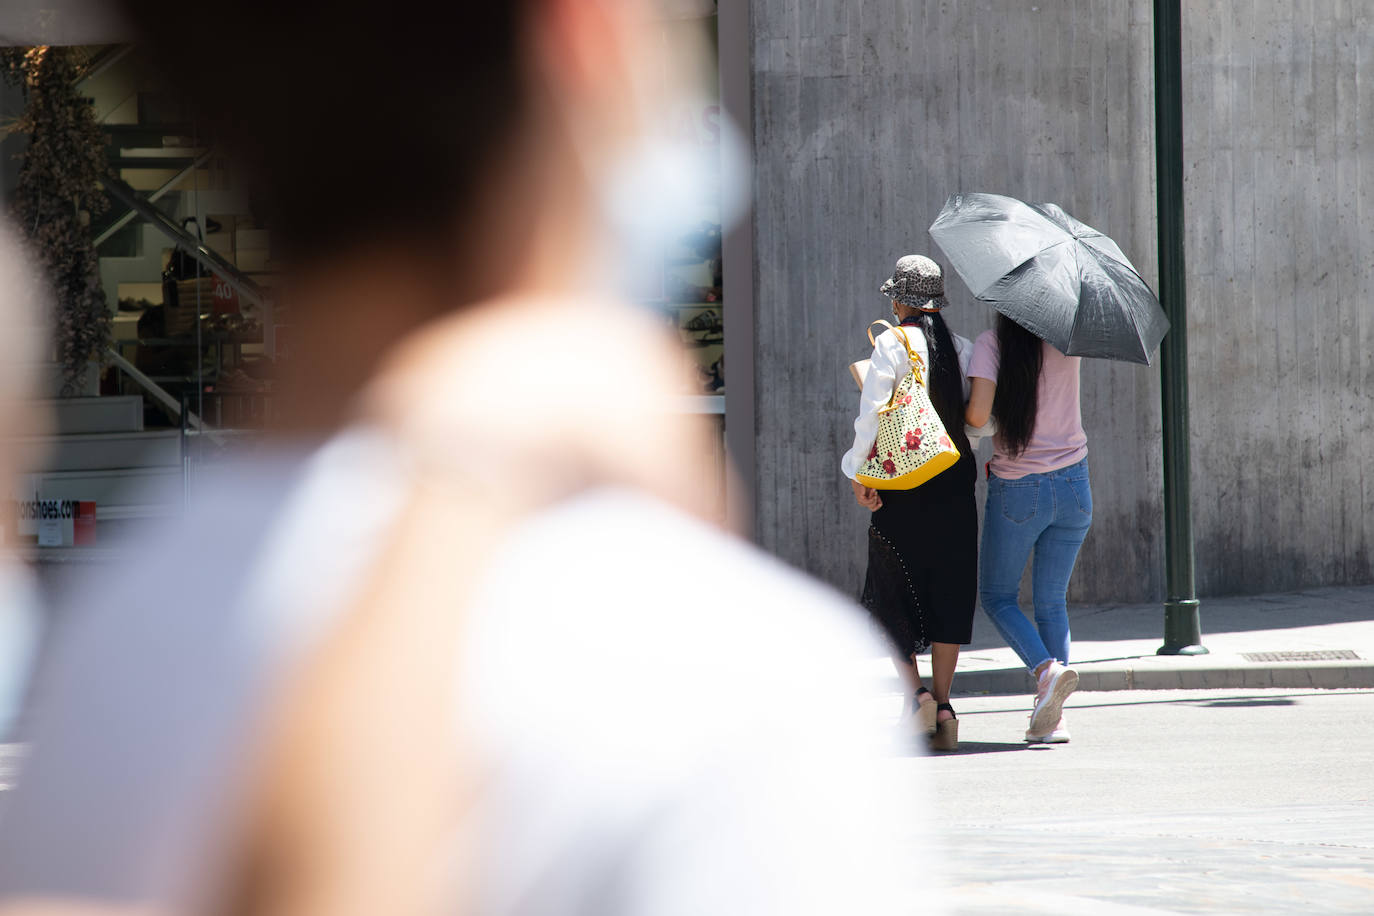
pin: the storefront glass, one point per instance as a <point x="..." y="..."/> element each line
<point x="684" y="279"/>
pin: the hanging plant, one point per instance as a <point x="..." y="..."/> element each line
<point x="58" y="192"/>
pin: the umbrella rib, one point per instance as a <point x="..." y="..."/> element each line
<point x="1131" y="316"/>
<point x="1081" y="251"/>
<point x="1135" y="323"/>
<point x="1078" y="279"/>
<point x="979" y="294"/>
<point x="1037" y="254"/>
<point x="1123" y="260"/>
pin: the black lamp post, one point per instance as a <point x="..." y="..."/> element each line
<point x="1182" y="629"/>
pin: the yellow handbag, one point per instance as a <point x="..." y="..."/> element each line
<point x="912" y="444"/>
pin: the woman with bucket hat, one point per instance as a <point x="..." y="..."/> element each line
<point x="921" y="583"/>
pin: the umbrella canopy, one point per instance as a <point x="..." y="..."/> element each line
<point x="1061" y="280"/>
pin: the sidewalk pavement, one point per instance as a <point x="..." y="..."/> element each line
<point x="1321" y="638"/>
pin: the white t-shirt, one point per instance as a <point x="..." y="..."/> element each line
<point x="672" y="722"/>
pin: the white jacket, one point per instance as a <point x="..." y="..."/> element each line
<point x="889" y="365"/>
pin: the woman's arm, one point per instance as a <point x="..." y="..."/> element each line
<point x="867" y="496"/>
<point x="980" y="402"/>
<point x="877" y="391"/>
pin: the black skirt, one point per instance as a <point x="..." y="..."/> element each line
<point x="922" y="579"/>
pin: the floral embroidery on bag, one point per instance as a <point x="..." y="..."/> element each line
<point x="889" y="467"/>
<point x="913" y="440"/>
<point x="873" y="452"/>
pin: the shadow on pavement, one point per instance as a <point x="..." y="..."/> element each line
<point x="917" y="749"/>
<point x="981" y="747"/>
<point x="1188" y="699"/>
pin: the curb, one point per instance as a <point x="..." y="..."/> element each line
<point x="1170" y="675"/>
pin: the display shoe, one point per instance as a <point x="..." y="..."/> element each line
<point x="1053" y="687"/>
<point x="1060" y="735"/>
<point x="946" y="737"/>
<point x="923" y="707"/>
<point x="706" y="321"/>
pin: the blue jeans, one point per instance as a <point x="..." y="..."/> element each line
<point x="1045" y="516"/>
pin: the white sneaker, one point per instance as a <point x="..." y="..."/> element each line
<point x="1060" y="735"/>
<point x="1055" y="684"/>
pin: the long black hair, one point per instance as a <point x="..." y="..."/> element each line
<point x="1017" y="399"/>
<point x="944" y="380"/>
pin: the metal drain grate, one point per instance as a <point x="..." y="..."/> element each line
<point x="1318" y="655"/>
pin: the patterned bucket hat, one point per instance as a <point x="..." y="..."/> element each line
<point x="917" y="283"/>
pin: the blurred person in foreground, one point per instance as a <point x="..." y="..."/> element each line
<point x="22" y="349"/>
<point x="462" y="640"/>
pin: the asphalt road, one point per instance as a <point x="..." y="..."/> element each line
<point x="1164" y="802"/>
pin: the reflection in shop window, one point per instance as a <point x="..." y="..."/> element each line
<point x="683" y="280"/>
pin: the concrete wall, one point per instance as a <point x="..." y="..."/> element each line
<point x="1280" y="170"/>
<point x="868" y="114"/>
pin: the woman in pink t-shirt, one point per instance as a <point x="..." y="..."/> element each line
<point x="1039" y="504"/>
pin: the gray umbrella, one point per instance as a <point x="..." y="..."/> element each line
<point x="1061" y="280"/>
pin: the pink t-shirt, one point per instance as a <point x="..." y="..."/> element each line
<point x="1058" y="439"/>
